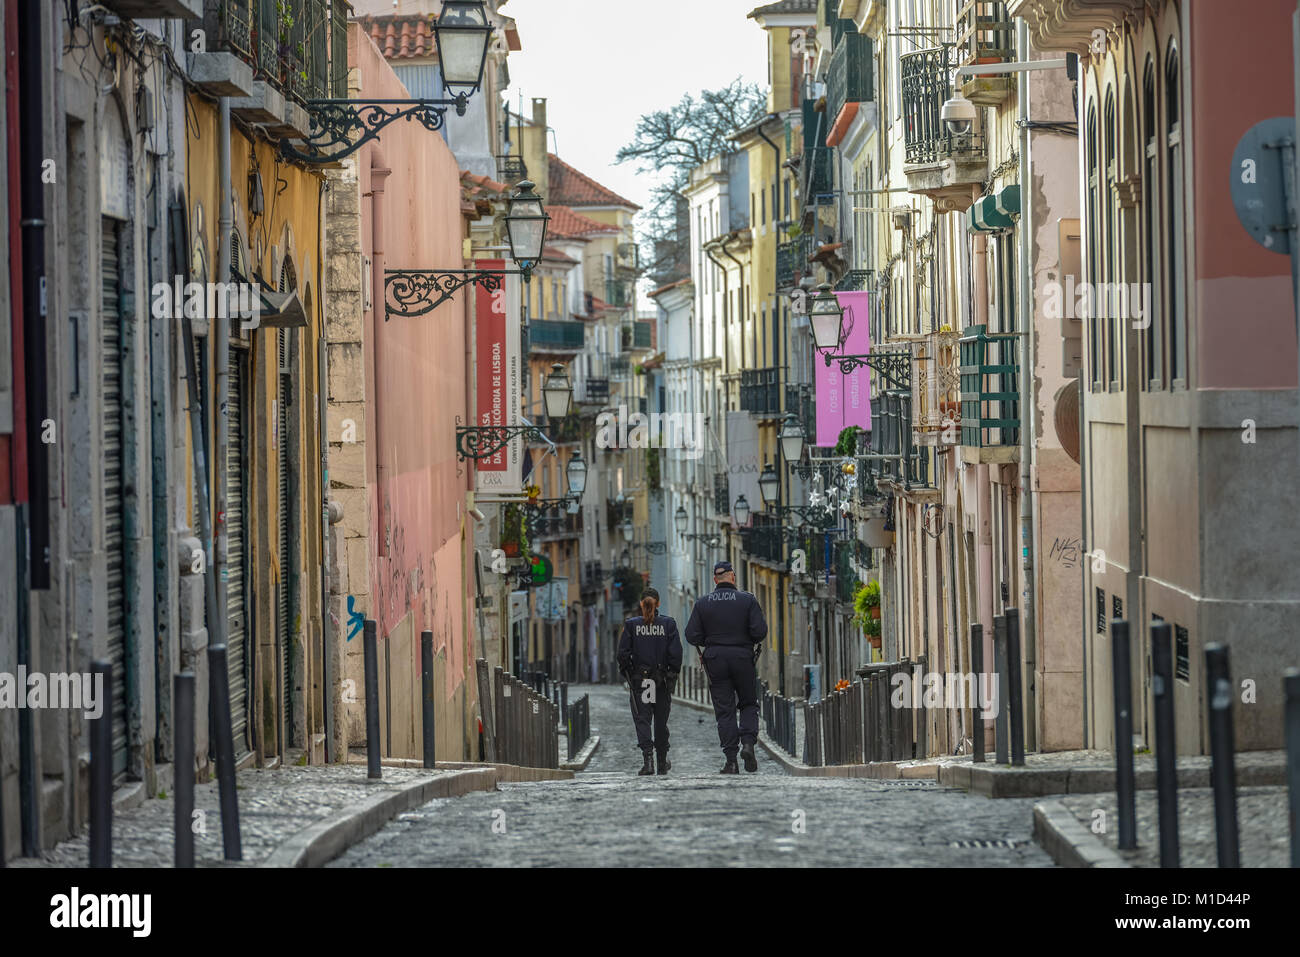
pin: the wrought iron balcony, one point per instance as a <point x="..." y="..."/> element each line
<point x="926" y="80"/>
<point x="856" y="280"/>
<point x="511" y="169"/>
<point x="760" y="390"/>
<point x="593" y="390"/>
<point x="721" y="490"/>
<point x="786" y="254"/>
<point x="846" y="576"/>
<point x="555" y="335"/>
<point x="620" y="367"/>
<point x="764" y="539"/>
<point x="849" y="79"/>
<point x="936" y="389"/>
<point x="990" y="389"/>
<point x="299" y="46"/>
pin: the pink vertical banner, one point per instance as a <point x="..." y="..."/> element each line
<point x="844" y="400"/>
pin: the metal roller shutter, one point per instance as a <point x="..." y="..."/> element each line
<point x="111" y="397"/>
<point x="283" y="595"/>
<point x="236" y="571"/>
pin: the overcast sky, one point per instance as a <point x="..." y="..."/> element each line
<point x="601" y="64"/>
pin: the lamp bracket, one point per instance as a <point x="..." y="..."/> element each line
<point x="411" y="293"/>
<point x="340" y="127"/>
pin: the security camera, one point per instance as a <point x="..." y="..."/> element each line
<point x="958" y="115"/>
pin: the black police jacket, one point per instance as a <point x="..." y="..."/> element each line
<point x="727" y="621"/>
<point x="649" y="648"/>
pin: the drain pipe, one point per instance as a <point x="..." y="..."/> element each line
<point x="221" y="381"/>
<point x="379" y="172"/>
<point x="1028" y="413"/>
<point x="983" y="486"/>
<point x="740" y="288"/>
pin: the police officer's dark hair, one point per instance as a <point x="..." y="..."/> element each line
<point x="649" y="598"/>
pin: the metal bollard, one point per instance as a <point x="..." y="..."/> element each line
<point x="1291" y="686"/>
<point x="1162" y="690"/>
<point x="101" y="771"/>
<point x="183" y="749"/>
<point x="1223" y="773"/>
<point x="1125" y="788"/>
<point x="977" y="713"/>
<point x="499" y="709"/>
<point x="219" y="683"/>
<point x="1001" y="731"/>
<point x="370" y="649"/>
<point x="918" y="703"/>
<point x="1015" y="691"/>
<point x="428" y="737"/>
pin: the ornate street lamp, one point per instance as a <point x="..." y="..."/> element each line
<point x="769" y="484"/>
<point x="826" y="317"/>
<point x="340" y="127"/>
<point x="625" y="559"/>
<point x="792" y="438"/>
<point x="576" y="472"/>
<point x="463" y="34"/>
<point x="679" y="519"/>
<point x="557" y="393"/>
<point x="413" y="292"/>
<point x="741" y="510"/>
<point x="628" y="530"/>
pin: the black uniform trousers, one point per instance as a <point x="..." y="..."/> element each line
<point x="733" y="685"/>
<point x="648" y="714"/>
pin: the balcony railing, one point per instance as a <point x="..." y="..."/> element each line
<point x="926" y="80"/>
<point x="820" y="174"/>
<point x="849" y="78"/>
<point x="856" y="280"/>
<point x="637" y="335"/>
<point x="785" y="265"/>
<point x="764" y="539"/>
<point x="299" y="46"/>
<point x="620" y="367"/>
<point x="593" y="390"/>
<point x="617" y="293"/>
<point x="511" y="169"/>
<point x="721" y="490"/>
<point x="760" y="390"/>
<point x="990" y="388"/>
<point x="555" y="334"/>
<point x="936" y="389"/>
<point x="846" y="576"/>
<point x="985" y="32"/>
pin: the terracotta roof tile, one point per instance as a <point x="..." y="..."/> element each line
<point x="569" y="187"/>
<point x="400" y="36"/>
<point x="785" y="6"/>
<point x="567" y="224"/>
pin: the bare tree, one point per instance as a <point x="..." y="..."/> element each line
<point x="668" y="144"/>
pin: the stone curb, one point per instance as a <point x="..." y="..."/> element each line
<point x="1067" y="841"/>
<point x="1000" y="781"/>
<point x="509" y="773"/>
<point x="583" y="757"/>
<point x="327" y="839"/>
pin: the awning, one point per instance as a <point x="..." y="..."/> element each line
<point x="992" y="213"/>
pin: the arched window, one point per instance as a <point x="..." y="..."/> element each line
<point x="1151" y="227"/>
<point x="1093" y="264"/>
<point x="1102" y="301"/>
<point x="1175" y="303"/>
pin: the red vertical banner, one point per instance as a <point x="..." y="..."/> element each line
<point x="497" y="379"/>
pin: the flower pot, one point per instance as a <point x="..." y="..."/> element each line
<point x="875" y="612"/>
<point x="875" y="642"/>
<point x="511" y="549"/>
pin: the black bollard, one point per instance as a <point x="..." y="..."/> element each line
<point x="977" y="712"/>
<point x="1291" y="686"/>
<point x="1015" y="691"/>
<point x="1001" y="736"/>
<point x="1162" y="690"/>
<point x="428" y="735"/>
<point x="1223" y="773"/>
<point x="499" y="714"/>
<point x="223" y="738"/>
<point x="101" y="770"/>
<point x="183" y="748"/>
<point x="1125" y="786"/>
<point x="370" y="650"/>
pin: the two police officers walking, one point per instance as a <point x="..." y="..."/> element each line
<point x="649" y="657"/>
<point x="728" y="628"/>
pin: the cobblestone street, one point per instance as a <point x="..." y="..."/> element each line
<point x="693" y="816"/>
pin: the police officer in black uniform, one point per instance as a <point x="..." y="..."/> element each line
<point x="650" y="656"/>
<point x="728" y="627"/>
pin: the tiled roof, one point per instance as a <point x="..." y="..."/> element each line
<point x="567" y="224"/>
<point x="478" y="192"/>
<point x="672" y="285"/>
<point x="401" y="35"/>
<point x="568" y="187"/>
<point x="553" y="255"/>
<point x="785" y="6"/>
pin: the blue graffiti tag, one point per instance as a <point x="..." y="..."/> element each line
<point x="355" y="618"/>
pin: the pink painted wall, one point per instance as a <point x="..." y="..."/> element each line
<point x="416" y="508"/>
<point x="1241" y="69"/>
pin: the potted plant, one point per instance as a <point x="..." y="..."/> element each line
<point x="514" y="533"/>
<point x="866" y="611"/>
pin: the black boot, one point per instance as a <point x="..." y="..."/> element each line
<point x="648" y="766"/>
<point x="747" y="754"/>
<point x="730" y="767"/>
<point x="664" y="764"/>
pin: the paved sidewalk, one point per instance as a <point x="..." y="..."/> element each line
<point x="1261" y="823"/>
